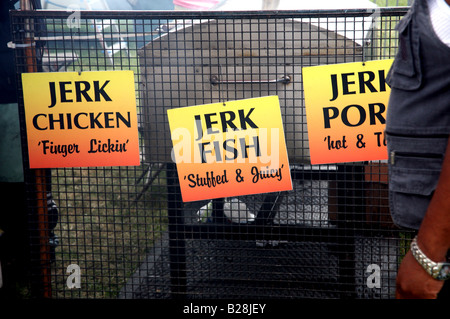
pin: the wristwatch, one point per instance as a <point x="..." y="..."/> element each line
<point x="437" y="270"/>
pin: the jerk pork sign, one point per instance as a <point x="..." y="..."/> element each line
<point x="346" y="108"/>
<point x="81" y="119"/>
<point x="230" y="149"/>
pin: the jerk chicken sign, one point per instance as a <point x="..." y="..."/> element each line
<point x="81" y="120"/>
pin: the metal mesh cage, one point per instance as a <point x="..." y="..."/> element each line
<point x="125" y="232"/>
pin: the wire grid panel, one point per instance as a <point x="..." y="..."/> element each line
<point x="123" y="232"/>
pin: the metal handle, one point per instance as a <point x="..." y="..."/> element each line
<point x="285" y="80"/>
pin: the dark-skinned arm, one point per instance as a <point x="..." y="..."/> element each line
<point x="433" y="239"/>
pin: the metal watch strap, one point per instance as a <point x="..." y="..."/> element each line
<point x="431" y="267"/>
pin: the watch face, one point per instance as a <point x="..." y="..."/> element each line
<point x="444" y="273"/>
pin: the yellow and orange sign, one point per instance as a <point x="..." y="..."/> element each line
<point x="230" y="149"/>
<point x="77" y="120"/>
<point x="346" y="108"/>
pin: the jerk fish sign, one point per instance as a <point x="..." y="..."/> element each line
<point x="346" y="108"/>
<point x="230" y="150"/>
<point x="80" y="120"/>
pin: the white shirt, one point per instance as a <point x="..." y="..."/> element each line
<point x="440" y="19"/>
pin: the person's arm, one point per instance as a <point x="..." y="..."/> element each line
<point x="433" y="239"/>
